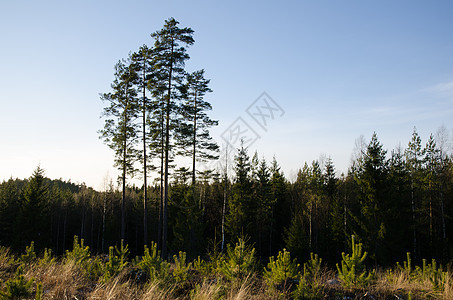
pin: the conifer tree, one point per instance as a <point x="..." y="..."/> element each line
<point x="413" y="154"/>
<point x="120" y="130"/>
<point x="142" y="63"/>
<point x="33" y="214"/>
<point x="372" y="177"/>
<point x="193" y="131"/>
<point x="239" y="216"/>
<point x="168" y="60"/>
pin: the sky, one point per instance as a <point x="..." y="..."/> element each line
<point x="301" y="79"/>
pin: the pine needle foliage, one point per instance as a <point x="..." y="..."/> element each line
<point x="238" y="262"/>
<point x="181" y="271"/>
<point x="117" y="261"/>
<point x="310" y="286"/>
<point x="281" y="272"/>
<point x="80" y="253"/>
<point x="47" y="258"/>
<point x="17" y="287"/>
<point x="352" y="272"/>
<point x="30" y="254"/>
<point x="152" y="263"/>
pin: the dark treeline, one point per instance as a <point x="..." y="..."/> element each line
<point x="393" y="202"/>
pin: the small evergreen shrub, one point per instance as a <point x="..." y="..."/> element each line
<point x="309" y="286"/>
<point x="238" y="262"/>
<point x="181" y="271"/>
<point x="154" y="266"/>
<point x="431" y="272"/>
<point x="30" y="254"/>
<point x="282" y="272"/>
<point x="80" y="253"/>
<point x="47" y="258"/>
<point x="352" y="272"/>
<point x="17" y="287"/>
<point x="117" y="261"/>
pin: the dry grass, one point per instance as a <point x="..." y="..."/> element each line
<point x="62" y="280"/>
<point x="4" y="259"/>
<point x="398" y="284"/>
<point x="66" y="280"/>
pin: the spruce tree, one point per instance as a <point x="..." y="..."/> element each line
<point x="33" y="213"/>
<point x="372" y="180"/>
<point x="239" y="217"/>
<point x="413" y="155"/>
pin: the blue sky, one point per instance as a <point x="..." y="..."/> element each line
<point x="338" y="69"/>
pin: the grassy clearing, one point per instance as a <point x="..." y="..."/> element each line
<point x="233" y="275"/>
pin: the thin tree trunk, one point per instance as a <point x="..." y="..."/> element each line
<point x="64" y="229"/>
<point x="123" y="200"/>
<point x="58" y="234"/>
<point x="104" y="209"/>
<point x="145" y="185"/>
<point x="167" y="145"/>
<point x="123" y="197"/>
<point x="194" y="141"/>
<point x="224" y="199"/>
<point x="161" y="199"/>
<point x="92" y="223"/>
<point x="413" y="220"/>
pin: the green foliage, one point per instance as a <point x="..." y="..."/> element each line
<point x="309" y="286"/>
<point x="280" y="272"/>
<point x="117" y="261"/>
<point x="431" y="272"/>
<point x="407" y="266"/>
<point x="427" y="272"/>
<point x="80" y="253"/>
<point x="30" y="254"/>
<point x="312" y="268"/>
<point x="181" y="271"/>
<point x="17" y="287"/>
<point x="94" y="269"/>
<point x="39" y="291"/>
<point x="239" y="261"/>
<point x="47" y="258"/>
<point x="5" y="259"/>
<point x="352" y="272"/>
<point x="205" y="268"/>
<point x="153" y="264"/>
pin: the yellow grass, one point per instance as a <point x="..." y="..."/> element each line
<point x="66" y="280"/>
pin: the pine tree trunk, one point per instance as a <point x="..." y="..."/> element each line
<point x="145" y="185"/>
<point x="413" y="220"/>
<point x="194" y="141"/>
<point x="167" y="145"/>
<point x="104" y="210"/>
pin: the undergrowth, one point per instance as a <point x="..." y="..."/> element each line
<point x="234" y="274"/>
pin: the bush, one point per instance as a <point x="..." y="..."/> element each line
<point x="80" y="253"/>
<point x="239" y="262"/>
<point x="282" y="272"/>
<point x="309" y="286"/>
<point x="117" y="262"/>
<point x="181" y="271"/>
<point x="47" y="258"/>
<point x="30" y="254"/>
<point x="17" y="287"/>
<point x="153" y="265"/>
<point x="352" y="272"/>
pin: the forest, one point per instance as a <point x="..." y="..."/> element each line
<point x="394" y="205"/>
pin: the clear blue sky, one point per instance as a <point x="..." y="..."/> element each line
<point x="338" y="69"/>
